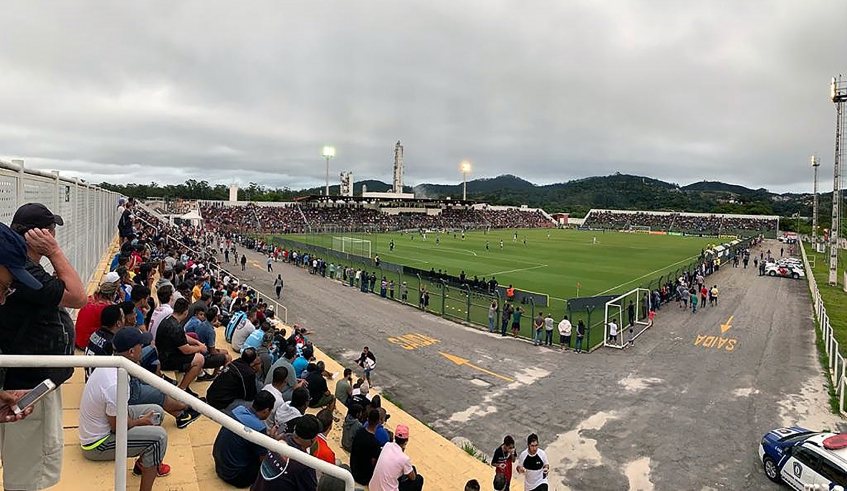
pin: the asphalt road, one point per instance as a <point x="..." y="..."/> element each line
<point x="684" y="408"/>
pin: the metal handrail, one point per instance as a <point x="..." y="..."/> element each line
<point x="125" y="365"/>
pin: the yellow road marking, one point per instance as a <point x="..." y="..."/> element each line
<point x="461" y="361"/>
<point x="726" y="327"/>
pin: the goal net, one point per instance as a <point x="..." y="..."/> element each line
<point x="639" y="229"/>
<point x="618" y="310"/>
<point x="352" y="245"/>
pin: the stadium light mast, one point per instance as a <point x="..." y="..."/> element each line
<point x="465" y="167"/>
<point x="838" y="95"/>
<point x="328" y="154"/>
<point x="815" y="164"/>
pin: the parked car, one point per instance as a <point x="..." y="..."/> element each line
<point x="784" y="270"/>
<point x="801" y="458"/>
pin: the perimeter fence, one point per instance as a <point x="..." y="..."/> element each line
<point x="447" y="297"/>
<point x="90" y="213"/>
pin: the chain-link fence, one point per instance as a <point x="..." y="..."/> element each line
<point x="89" y="212"/>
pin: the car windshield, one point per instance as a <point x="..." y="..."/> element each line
<point x="798" y="437"/>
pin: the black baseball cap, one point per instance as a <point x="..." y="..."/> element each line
<point x="13" y="256"/>
<point x="36" y="215"/>
<point x="129" y="337"/>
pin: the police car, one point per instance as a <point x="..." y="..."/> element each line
<point x="803" y="458"/>
<point x="786" y="271"/>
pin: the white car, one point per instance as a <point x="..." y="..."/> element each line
<point x="795" y="272"/>
<point x="803" y="458"/>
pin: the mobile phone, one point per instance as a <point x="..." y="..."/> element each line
<point x="34" y="396"/>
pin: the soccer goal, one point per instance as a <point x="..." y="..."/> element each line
<point x="617" y="310"/>
<point x="352" y="245"/>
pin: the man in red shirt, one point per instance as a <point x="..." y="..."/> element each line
<point x="88" y="317"/>
<point x="324" y="452"/>
<point x="503" y="458"/>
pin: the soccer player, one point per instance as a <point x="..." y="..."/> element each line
<point x="501" y="243"/>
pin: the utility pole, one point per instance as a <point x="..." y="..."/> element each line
<point x="838" y="95"/>
<point x="815" y="164"/>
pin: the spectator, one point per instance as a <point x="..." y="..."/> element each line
<point x="472" y="485"/>
<point x="291" y="382"/>
<point x="288" y="412"/>
<point x="394" y="470"/>
<point x="236" y="385"/>
<point x="352" y="424"/>
<point x="177" y="351"/>
<point x="12" y="267"/>
<point x="100" y="341"/>
<point x="344" y="388"/>
<point x="279" y="473"/>
<point x="236" y="459"/>
<point x="533" y="464"/>
<point x="213" y="357"/>
<point x="88" y="317"/>
<point x="364" y="451"/>
<point x="98" y="411"/>
<point x="323" y="451"/>
<point x="565" y="333"/>
<point x="34" y="322"/>
<point x="319" y="394"/>
<point x="244" y="329"/>
<point x="164" y="310"/>
<point x="502" y="459"/>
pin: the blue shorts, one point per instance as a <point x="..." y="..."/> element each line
<point x="141" y="393"/>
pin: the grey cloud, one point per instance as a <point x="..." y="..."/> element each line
<point x="550" y="91"/>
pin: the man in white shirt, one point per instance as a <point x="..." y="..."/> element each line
<point x="243" y="330"/>
<point x="165" y="309"/>
<point x="613" y="332"/>
<point x="565" y="333"/>
<point x="98" y="412"/>
<point x="548" y="330"/>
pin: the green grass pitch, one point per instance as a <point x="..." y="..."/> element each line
<point x="616" y="263"/>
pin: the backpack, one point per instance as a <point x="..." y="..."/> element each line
<point x="237" y="318"/>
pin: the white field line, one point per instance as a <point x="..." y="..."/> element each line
<point x="645" y="275"/>
<point x="408" y="258"/>
<point x="517" y="270"/>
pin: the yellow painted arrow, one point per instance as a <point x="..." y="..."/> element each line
<point x="462" y="361"/>
<point x="726" y="327"/>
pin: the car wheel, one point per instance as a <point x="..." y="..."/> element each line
<point x="771" y="470"/>
<point x="795" y="275"/>
<point x="772" y="273"/>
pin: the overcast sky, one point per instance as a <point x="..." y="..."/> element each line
<point x="550" y="91"/>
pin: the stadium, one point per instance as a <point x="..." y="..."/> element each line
<point x="598" y="263"/>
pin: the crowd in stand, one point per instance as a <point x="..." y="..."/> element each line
<point x="297" y="219"/>
<point x="679" y="222"/>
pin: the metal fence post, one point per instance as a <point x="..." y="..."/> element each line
<point x="121" y="429"/>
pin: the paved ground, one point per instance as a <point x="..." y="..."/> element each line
<point x="683" y="409"/>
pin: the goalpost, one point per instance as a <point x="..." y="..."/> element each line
<point x="617" y="310"/>
<point x="352" y="245"/>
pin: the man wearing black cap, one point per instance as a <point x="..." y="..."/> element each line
<point x="279" y="473"/>
<point x="34" y="321"/>
<point x="98" y="411"/>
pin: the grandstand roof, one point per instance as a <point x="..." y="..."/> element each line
<point x="368" y="199"/>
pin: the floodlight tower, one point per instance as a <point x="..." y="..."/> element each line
<point x="328" y="154"/>
<point x="815" y="164"/>
<point x="838" y="95"/>
<point x="465" y="167"/>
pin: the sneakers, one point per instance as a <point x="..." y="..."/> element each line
<point x="163" y="470"/>
<point x="186" y="417"/>
<point x="205" y="377"/>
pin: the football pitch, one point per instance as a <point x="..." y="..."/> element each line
<point x="559" y="265"/>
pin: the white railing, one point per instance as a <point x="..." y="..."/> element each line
<point x="125" y="367"/>
<point x="837" y="363"/>
<point x="90" y="213"/>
